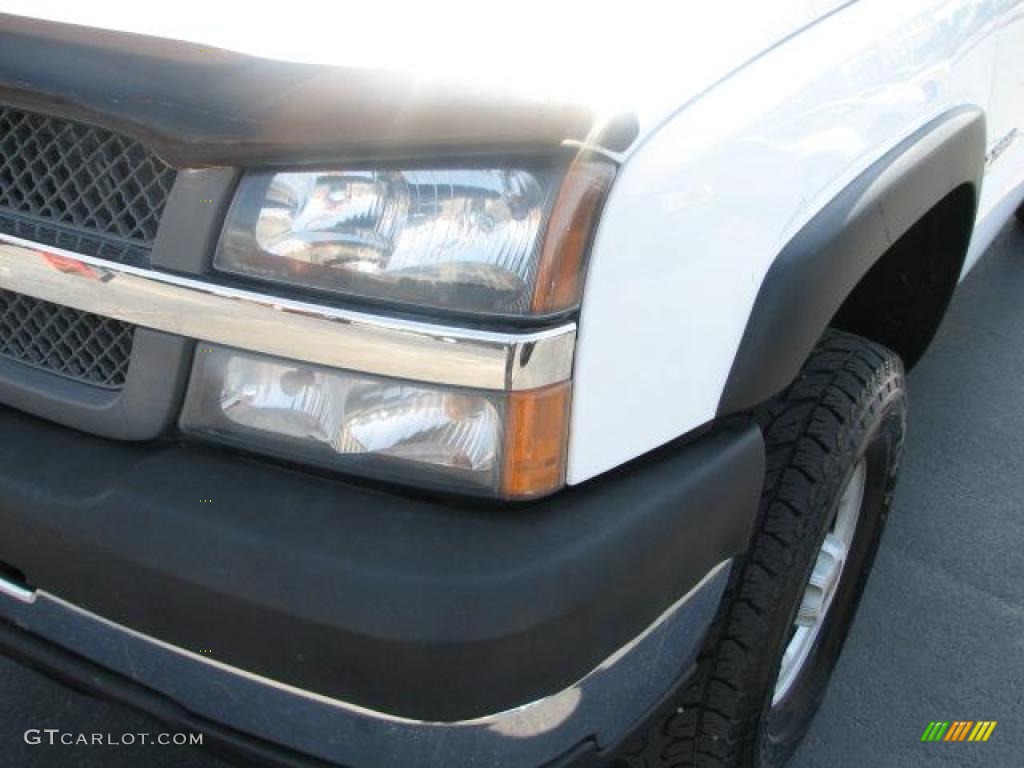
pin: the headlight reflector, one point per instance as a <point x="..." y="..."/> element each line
<point x="468" y="239"/>
<point x="505" y="444"/>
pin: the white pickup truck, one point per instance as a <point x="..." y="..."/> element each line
<point x="444" y="384"/>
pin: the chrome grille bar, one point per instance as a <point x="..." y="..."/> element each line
<point x="286" y="328"/>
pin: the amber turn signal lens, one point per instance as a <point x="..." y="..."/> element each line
<point x="572" y="220"/>
<point x="536" y="434"/>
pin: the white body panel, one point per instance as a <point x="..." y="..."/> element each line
<point x="1004" y="183"/>
<point x="703" y="206"/>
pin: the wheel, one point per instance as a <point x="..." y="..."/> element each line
<point x="834" y="440"/>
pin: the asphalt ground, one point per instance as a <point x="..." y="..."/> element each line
<point x="940" y="633"/>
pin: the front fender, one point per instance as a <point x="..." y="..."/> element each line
<point x="817" y="270"/>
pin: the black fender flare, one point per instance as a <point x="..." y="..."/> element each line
<point x="820" y="266"/>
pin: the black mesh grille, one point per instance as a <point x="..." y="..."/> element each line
<point x="106" y="188"/>
<point x="73" y="240"/>
<point x="86" y="190"/>
<point x="86" y="348"/>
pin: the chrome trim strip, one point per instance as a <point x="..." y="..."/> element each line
<point x="285" y="328"/>
<point x="604" y="704"/>
<point x="17" y="591"/>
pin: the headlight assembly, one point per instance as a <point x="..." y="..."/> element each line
<point x="506" y="241"/>
<point x="425" y="402"/>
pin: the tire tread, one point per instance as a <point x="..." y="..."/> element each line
<point x="714" y="721"/>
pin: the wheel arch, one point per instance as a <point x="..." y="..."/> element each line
<point x="831" y="270"/>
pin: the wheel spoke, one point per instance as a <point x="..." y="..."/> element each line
<point x="824" y="580"/>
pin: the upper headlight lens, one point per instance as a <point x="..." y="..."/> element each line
<point x="462" y="239"/>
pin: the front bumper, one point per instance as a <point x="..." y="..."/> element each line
<point x="358" y="626"/>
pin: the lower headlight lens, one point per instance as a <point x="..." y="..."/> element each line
<point x="504" y="444"/>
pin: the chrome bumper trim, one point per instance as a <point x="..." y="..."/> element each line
<point x="604" y="705"/>
<point x="285" y="328"/>
<point x="18" y="592"/>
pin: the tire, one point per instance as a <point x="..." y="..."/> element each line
<point x="847" y="404"/>
<point x="1020" y="215"/>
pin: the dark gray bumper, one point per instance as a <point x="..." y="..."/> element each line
<point x="364" y="627"/>
<point x="599" y="709"/>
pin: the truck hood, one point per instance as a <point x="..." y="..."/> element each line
<point x="213" y="83"/>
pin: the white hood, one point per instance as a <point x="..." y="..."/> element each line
<point x="644" y="57"/>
